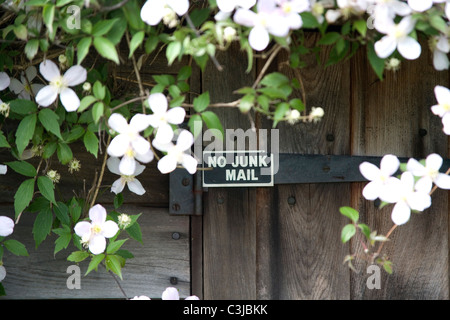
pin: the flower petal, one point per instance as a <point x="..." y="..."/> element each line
<point x="127" y="165"/>
<point x="164" y="134"/>
<point x="15" y="86"/>
<point x="424" y="184"/>
<point x="226" y="5"/>
<point x="118" y="186"/>
<point x="97" y="214"/>
<point x="31" y="73"/>
<point x="139" y="169"/>
<point x="401" y="213"/>
<point x="185" y="140"/>
<point x="434" y="161"/>
<point x="442" y="181"/>
<point x="176" y="115"/>
<point x="119" y="145"/>
<point x="189" y="163"/>
<point x="6" y="226"/>
<point x="140" y="145"/>
<point x="82" y="228"/>
<point x="4" y="80"/>
<point x="113" y="165"/>
<point x="371" y="191"/>
<point x="118" y="123"/>
<point x="46" y="96"/>
<point x="139" y="122"/>
<point x="420" y="5"/>
<point x="69" y="99"/>
<point x="75" y="75"/>
<point x="97" y="244"/>
<point x="415" y="167"/>
<point x="136" y="187"/>
<point x="158" y="103"/>
<point x="3" y="169"/>
<point x="389" y="164"/>
<point x="167" y="164"/>
<point x="258" y="38"/>
<point x="109" y="229"/>
<point x="170" y="294"/>
<point x="409" y="48"/>
<point x="369" y="171"/>
<point x="179" y="6"/>
<point x="152" y="11"/>
<point x="245" y="17"/>
<point x="385" y="46"/>
<point x="144" y="158"/>
<point x="49" y="70"/>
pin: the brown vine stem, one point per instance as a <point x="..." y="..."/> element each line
<point x="232" y="104"/>
<point x="102" y="172"/>
<point x="435" y="186"/>
<point x="382" y="244"/>
<point x="128" y="102"/>
<point x="266" y="66"/>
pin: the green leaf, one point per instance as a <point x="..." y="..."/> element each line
<point x="118" y="200"/>
<point x="102" y="27"/>
<point x="173" y="51"/>
<point x="99" y="90"/>
<point x="64" y="153"/>
<point x="361" y="27"/>
<point x="83" y="49"/>
<point x="246" y="103"/>
<point x="48" y="15"/>
<point x="77" y="256"/>
<point x="274" y="79"/>
<point x="136" y="41"/>
<point x="86" y="102"/>
<point x="201" y="102"/>
<point x="42" y="226"/>
<point x="309" y="20"/>
<point x="22" y="106"/>
<point x="91" y="142"/>
<point x="22" y="167"/>
<point x="193" y="120"/>
<point x="23" y="196"/>
<point x="95" y="261"/>
<point x="365" y="230"/>
<point x="437" y="22"/>
<point x="280" y="112"/>
<point x="348" y="232"/>
<point x="184" y="73"/>
<point x="15" y="247"/>
<point x="114" y="263"/>
<point x="113" y="246"/>
<point x="376" y="62"/>
<point x="31" y="48"/>
<point x="106" y="49"/>
<point x="47" y="188"/>
<point x="62" y="212"/>
<point x="350" y="213"/>
<point x="49" y="149"/>
<point x="21" y="32"/>
<point x="49" y="121"/>
<point x="97" y="111"/>
<point x="212" y="121"/>
<point x="3" y="142"/>
<point x="134" y="231"/>
<point x="63" y="241"/>
<point x="25" y="132"/>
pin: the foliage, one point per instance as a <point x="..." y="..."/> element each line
<point x="57" y="57"/>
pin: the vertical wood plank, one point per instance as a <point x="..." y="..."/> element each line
<point x="229" y="216"/>
<point x="300" y="234"/>
<point x="390" y="117"/>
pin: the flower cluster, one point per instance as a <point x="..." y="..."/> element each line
<point x="170" y="293"/>
<point x="409" y="192"/>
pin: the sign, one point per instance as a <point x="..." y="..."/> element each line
<point x="237" y="168"/>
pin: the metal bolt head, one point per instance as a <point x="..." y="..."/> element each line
<point x="423" y="132"/>
<point x="185" y="182"/>
<point x="220" y="200"/>
<point x="330" y="137"/>
<point x="176" y="207"/>
<point x="173" y="280"/>
<point x="176" y="236"/>
<point x="291" y="200"/>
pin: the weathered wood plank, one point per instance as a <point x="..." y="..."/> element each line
<point x="390" y="117"/>
<point x="43" y="275"/>
<point x="229" y="219"/>
<point x="300" y="234"/>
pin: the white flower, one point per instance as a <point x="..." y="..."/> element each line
<point x="440" y="47"/>
<point x="94" y="233"/>
<point x="140" y="298"/>
<point x="2" y="273"/>
<point x="267" y="20"/>
<point x="24" y="88"/>
<point x="133" y="184"/>
<point x="6" y="226"/>
<point x="4" y="81"/>
<point x="3" y="169"/>
<point x="171" y="293"/>
<point x="4" y="108"/>
<point x="59" y="85"/>
<point x="397" y="37"/>
<point x="153" y="11"/>
<point x="429" y="173"/>
<point x="124" y="220"/>
<point x="176" y="154"/>
<point x="407" y="199"/>
<point x="291" y="9"/>
<point x="379" y="177"/>
<point x="128" y="143"/>
<point x="316" y="114"/>
<point x="227" y="6"/>
<point x="442" y="107"/>
<point x="161" y="117"/>
<point x="422" y="5"/>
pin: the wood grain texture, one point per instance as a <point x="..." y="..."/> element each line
<point x="43" y="275"/>
<point x="386" y="118"/>
<point x="300" y="242"/>
<point x="229" y="217"/>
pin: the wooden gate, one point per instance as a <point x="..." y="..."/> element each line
<point x="284" y="242"/>
<point x="280" y="242"/>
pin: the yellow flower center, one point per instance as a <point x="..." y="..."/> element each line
<point x="58" y="83"/>
<point x="96" y="229"/>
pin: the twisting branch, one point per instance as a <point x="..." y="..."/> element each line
<point x="266" y="66"/>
